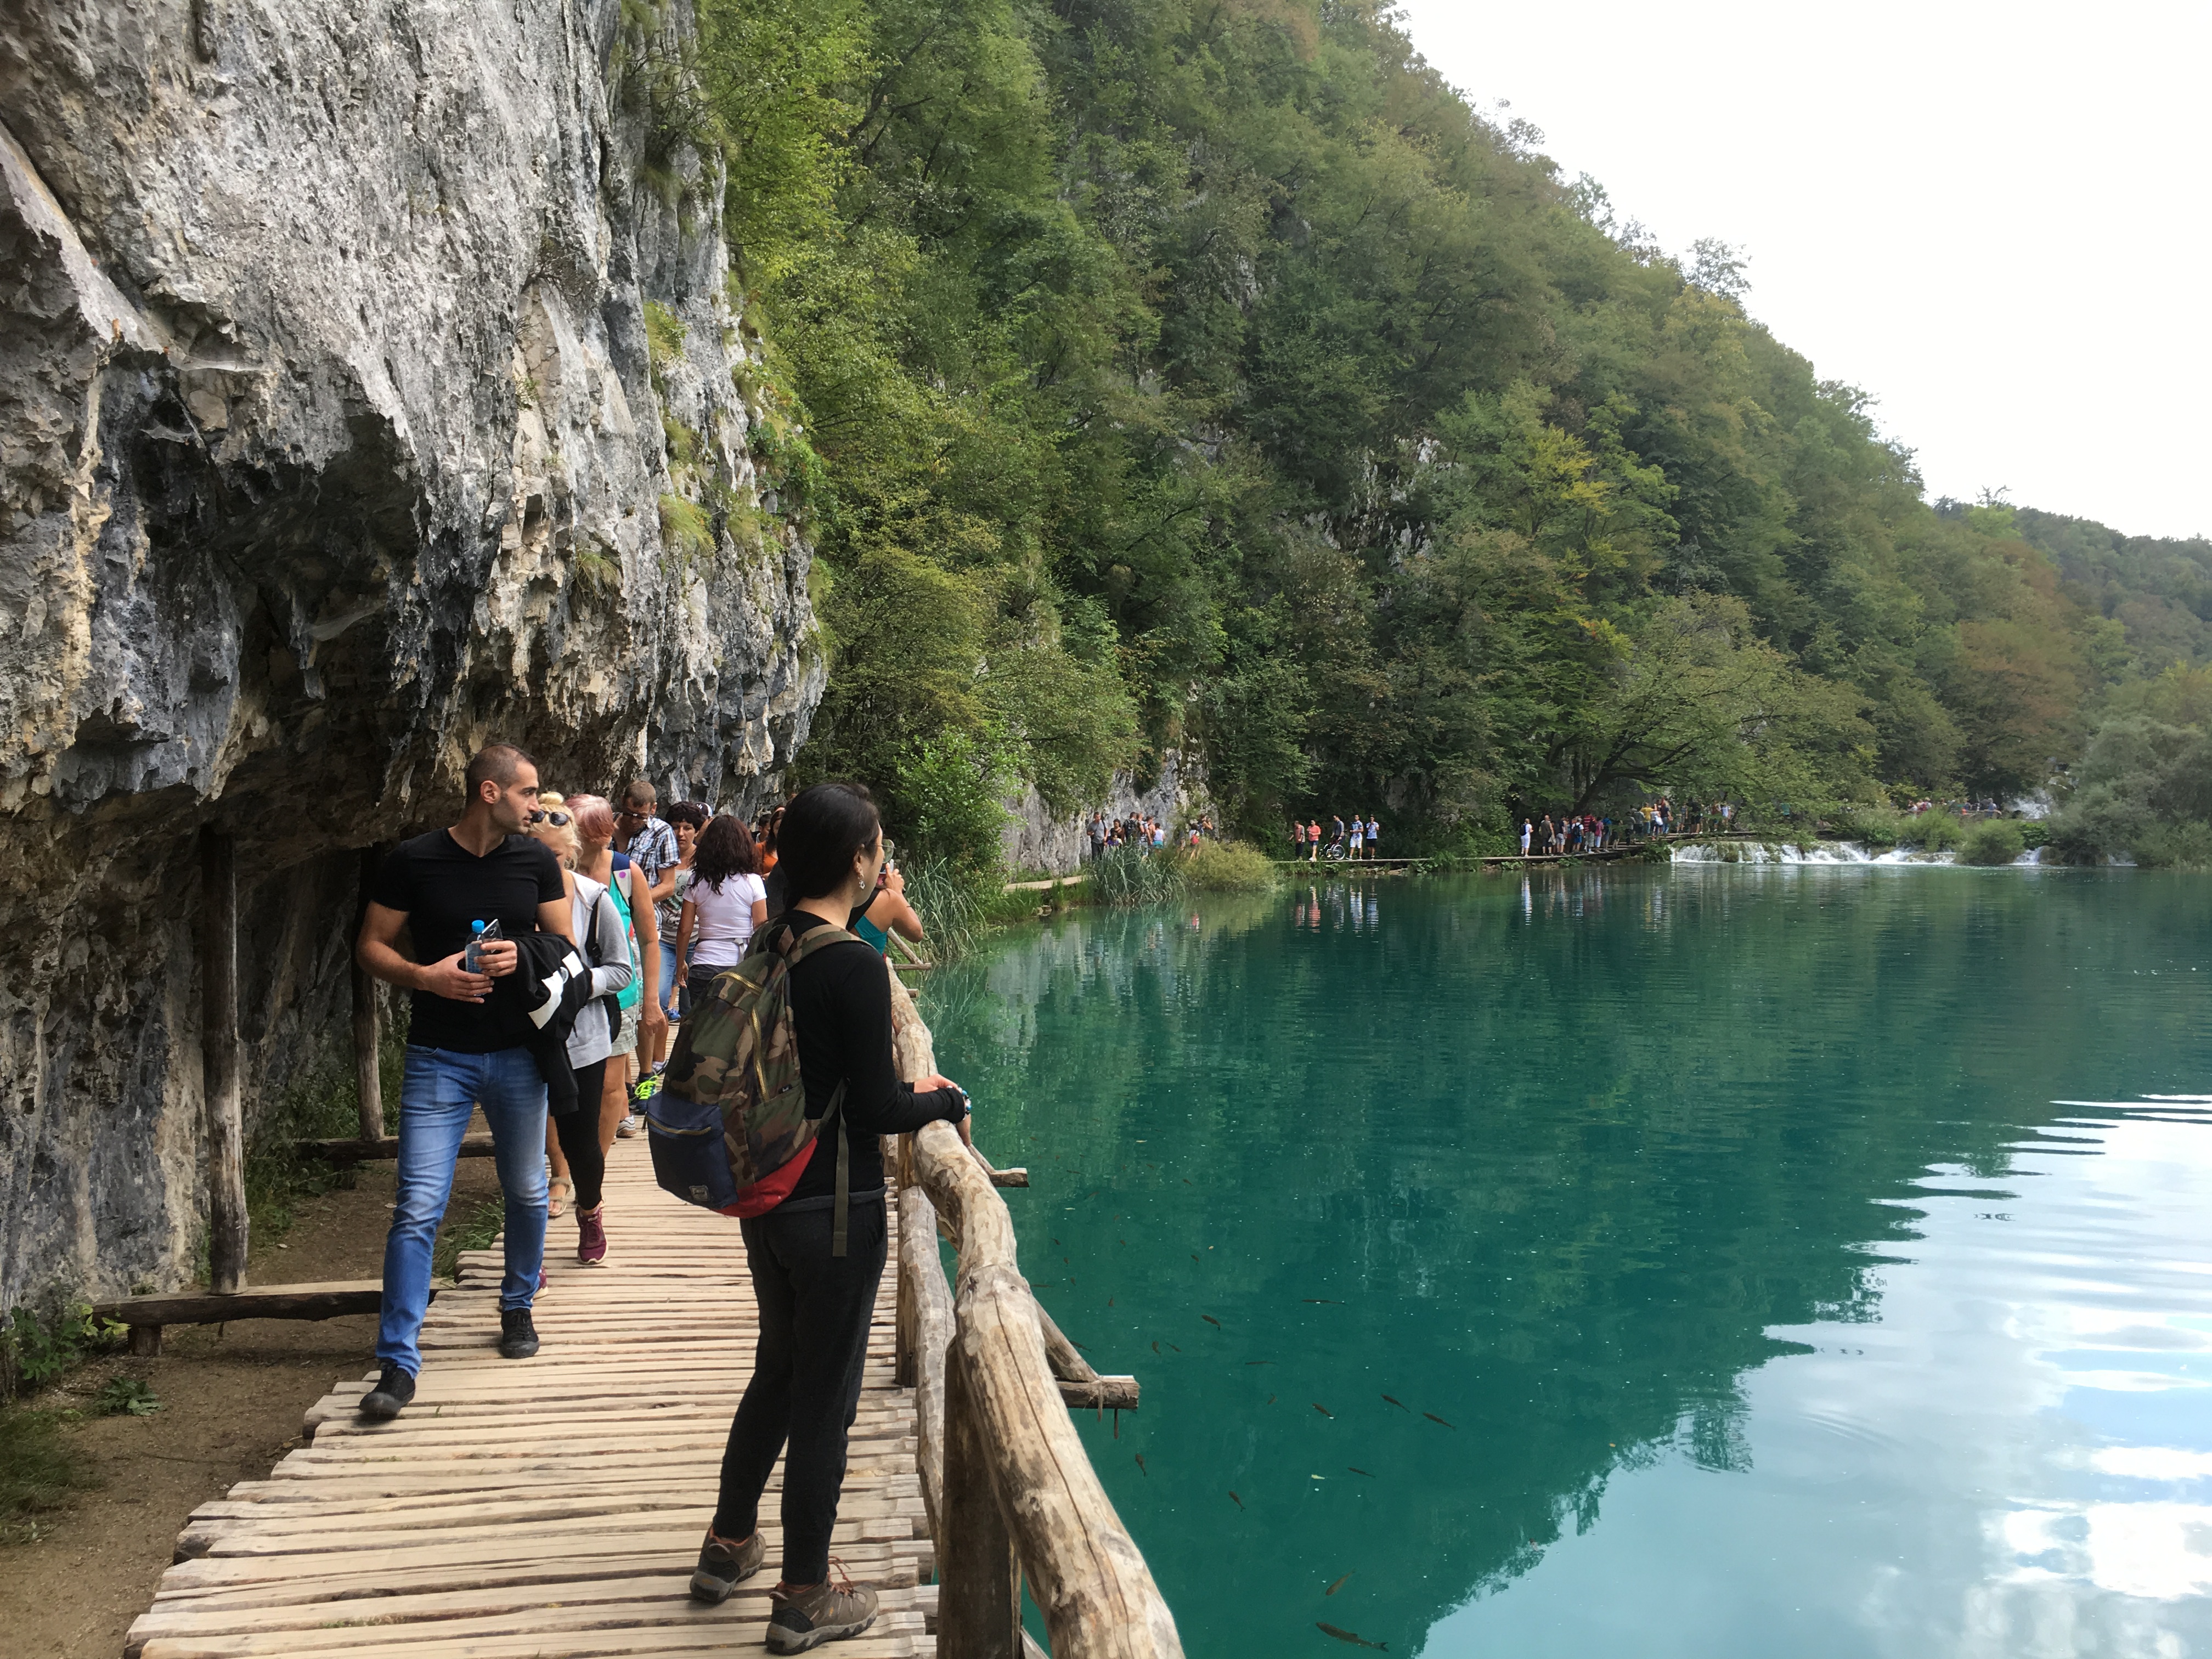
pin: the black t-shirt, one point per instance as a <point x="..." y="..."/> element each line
<point x="841" y="1012"/>
<point x="443" y="887"/>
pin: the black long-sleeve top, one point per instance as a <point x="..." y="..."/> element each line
<point x="841" y="1012"/>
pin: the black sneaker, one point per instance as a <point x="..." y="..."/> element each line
<point x="518" y="1337"/>
<point x="392" y="1391"/>
<point x="724" y="1565"/>
<point x="824" y="1613"/>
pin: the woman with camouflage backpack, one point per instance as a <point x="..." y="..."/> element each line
<point x="816" y="1257"/>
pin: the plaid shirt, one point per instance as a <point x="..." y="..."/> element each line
<point x="653" y="849"/>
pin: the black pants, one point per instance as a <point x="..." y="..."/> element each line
<point x="815" y="1311"/>
<point x="578" y="1135"/>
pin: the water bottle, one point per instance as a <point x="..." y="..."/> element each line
<point x="480" y="935"/>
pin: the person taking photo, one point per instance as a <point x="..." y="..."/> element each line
<point x="465" y="1047"/>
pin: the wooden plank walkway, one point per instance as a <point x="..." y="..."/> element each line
<point x="548" y="1508"/>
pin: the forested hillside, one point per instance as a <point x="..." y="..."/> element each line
<point x="1208" y="373"/>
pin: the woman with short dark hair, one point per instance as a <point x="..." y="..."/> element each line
<point x="818" y="1257"/>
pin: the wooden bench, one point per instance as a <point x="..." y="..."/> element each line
<point x="333" y="1299"/>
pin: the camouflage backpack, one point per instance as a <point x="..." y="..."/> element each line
<point x="728" y="1126"/>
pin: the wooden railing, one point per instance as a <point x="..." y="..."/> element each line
<point x="1010" y="1492"/>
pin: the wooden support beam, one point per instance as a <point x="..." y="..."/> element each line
<point x="219" y="1080"/>
<point x="331" y="1299"/>
<point x="921" y="1278"/>
<point x="1089" y="1580"/>
<point x="362" y="1152"/>
<point x="979" y="1597"/>
<point x="369" y="1077"/>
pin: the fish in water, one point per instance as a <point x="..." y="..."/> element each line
<point x="1259" y="1362"/>
<point x="1399" y="1404"/>
<point x="1141" y="1469"/>
<point x="1235" y="1499"/>
<point x="1368" y="1473"/>
<point x="1211" y="1321"/>
<point x="1271" y="1400"/>
<point x="1179" y="1351"/>
<point x="1322" y="1409"/>
<point x="1110" y="1301"/>
<point x="1346" y="1636"/>
<point x="1431" y="1416"/>
<point x="1155" y="1347"/>
<point x="1337" y="1586"/>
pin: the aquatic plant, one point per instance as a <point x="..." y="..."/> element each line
<point x="1132" y="876"/>
<point x="1231" y="866"/>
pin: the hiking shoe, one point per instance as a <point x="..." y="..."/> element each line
<point x="392" y="1391"/>
<point x="591" y="1235"/>
<point x="518" y="1337"/>
<point x="629" y="1128"/>
<point x="724" y="1565"/>
<point x="824" y="1613"/>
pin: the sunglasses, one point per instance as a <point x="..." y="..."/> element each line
<point x="559" y="820"/>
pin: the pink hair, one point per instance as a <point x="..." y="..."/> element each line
<point x="595" y="819"/>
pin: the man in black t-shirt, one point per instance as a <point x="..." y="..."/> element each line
<point x="465" y="1047"/>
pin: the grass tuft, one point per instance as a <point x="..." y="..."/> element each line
<point x="39" y="1472"/>
<point x="1229" y="866"/>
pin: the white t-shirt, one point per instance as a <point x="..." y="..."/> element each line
<point x="724" y="917"/>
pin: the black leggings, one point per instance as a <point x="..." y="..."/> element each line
<point x="815" y="1311"/>
<point x="579" y="1134"/>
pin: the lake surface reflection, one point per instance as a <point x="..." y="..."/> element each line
<point x="1704" y="1261"/>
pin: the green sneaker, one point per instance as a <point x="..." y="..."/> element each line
<point x="644" y="1089"/>
<point x="824" y="1613"/>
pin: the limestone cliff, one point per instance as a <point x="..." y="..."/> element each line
<point x="368" y="389"/>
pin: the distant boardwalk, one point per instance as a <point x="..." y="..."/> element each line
<point x="549" y="1508"/>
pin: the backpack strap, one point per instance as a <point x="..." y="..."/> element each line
<point x="833" y="1120"/>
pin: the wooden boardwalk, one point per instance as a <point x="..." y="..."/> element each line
<point x="548" y="1508"/>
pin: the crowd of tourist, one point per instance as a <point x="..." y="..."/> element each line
<point x="1140" y="830"/>
<point x="1573" y="834"/>
<point x="617" y="918"/>
<point x="1357" y="840"/>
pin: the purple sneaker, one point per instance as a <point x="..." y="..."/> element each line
<point x="591" y="1235"/>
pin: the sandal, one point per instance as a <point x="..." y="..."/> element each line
<point x="556" y="1203"/>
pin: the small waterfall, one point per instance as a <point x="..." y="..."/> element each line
<point x="1826" y="853"/>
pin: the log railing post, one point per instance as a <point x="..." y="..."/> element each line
<point x="979" y="1605"/>
<point x="219" y="1082"/>
<point x="368" y="1068"/>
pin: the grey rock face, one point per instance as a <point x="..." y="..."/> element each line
<point x="367" y="394"/>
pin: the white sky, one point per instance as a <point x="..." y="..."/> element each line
<point x="1994" y="218"/>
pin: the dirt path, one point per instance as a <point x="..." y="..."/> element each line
<point x="232" y="1403"/>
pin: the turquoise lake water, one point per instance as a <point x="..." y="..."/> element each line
<point x="1745" y="1275"/>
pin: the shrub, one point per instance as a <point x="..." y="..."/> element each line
<point x="1994" y="841"/>
<point x="2185" y="846"/>
<point x="1228" y="866"/>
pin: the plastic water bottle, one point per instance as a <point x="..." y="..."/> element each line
<point x="480" y="935"/>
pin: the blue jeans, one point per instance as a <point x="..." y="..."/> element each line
<point x="438" y="1092"/>
<point x="671" y="984"/>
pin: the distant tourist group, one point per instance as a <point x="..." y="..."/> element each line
<point x="1573" y="834"/>
<point x="1357" y="840"/>
<point x="1104" y="834"/>
<point x="545" y="939"/>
